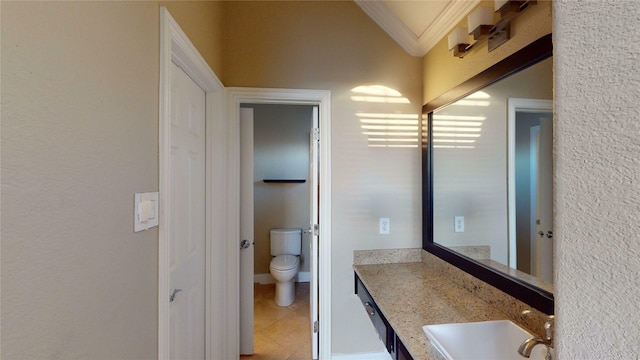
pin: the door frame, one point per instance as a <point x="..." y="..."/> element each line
<point x="176" y="47"/>
<point x="514" y="106"/>
<point x="321" y="98"/>
<point x="534" y="134"/>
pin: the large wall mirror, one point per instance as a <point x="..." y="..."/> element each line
<point x="487" y="175"/>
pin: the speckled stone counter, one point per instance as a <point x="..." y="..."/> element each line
<point x="411" y="295"/>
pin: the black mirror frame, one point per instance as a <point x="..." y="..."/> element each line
<point x="521" y="290"/>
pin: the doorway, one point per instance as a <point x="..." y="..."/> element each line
<point x="277" y="158"/>
<point x="530" y="187"/>
<point x="319" y="293"/>
<point x="280" y="152"/>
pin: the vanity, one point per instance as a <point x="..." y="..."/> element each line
<point x="427" y="299"/>
<point x="401" y="297"/>
<point x="499" y="266"/>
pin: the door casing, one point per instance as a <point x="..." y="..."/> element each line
<point x="322" y="98"/>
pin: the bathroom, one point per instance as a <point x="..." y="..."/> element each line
<point x="106" y="105"/>
<point x="281" y="197"/>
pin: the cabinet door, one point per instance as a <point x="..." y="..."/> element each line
<point x="401" y="351"/>
<point x="384" y="330"/>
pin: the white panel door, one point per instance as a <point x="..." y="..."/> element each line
<point x="246" y="231"/>
<point x="187" y="218"/>
<point x="313" y="233"/>
<point x="545" y="200"/>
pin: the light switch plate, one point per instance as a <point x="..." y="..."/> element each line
<point x="145" y="211"/>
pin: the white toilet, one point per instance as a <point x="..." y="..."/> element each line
<point x="285" y="247"/>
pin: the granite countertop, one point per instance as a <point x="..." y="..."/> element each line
<point x="411" y="296"/>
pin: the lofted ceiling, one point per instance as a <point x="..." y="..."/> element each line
<point x="417" y="25"/>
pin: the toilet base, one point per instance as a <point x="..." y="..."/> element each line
<point x="285" y="293"/>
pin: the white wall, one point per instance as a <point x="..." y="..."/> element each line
<point x="597" y="180"/>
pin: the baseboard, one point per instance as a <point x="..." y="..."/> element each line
<point x="263" y="279"/>
<point x="382" y="355"/>
<point x="304" y="276"/>
<point x="268" y="279"/>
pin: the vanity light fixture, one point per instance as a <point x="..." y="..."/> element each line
<point x="480" y="25"/>
<point x="458" y="41"/>
<point x="480" y="21"/>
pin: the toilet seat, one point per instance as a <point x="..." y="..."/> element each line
<point x="285" y="262"/>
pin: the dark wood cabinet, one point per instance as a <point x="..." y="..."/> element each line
<point x="391" y="341"/>
<point x="379" y="321"/>
<point x="401" y="351"/>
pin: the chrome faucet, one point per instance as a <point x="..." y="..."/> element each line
<point x="527" y="346"/>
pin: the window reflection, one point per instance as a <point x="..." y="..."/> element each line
<point x="452" y="129"/>
<point x="390" y="130"/>
<point x="384" y="129"/>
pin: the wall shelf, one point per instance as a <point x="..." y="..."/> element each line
<point x="289" y="181"/>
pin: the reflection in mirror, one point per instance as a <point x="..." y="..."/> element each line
<point x="491" y="154"/>
<point x="530" y="124"/>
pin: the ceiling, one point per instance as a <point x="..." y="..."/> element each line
<point x="417" y="25"/>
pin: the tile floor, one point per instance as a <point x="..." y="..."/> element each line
<point x="280" y="333"/>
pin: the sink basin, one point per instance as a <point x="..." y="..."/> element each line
<point x="486" y="340"/>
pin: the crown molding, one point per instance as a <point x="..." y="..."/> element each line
<point x="381" y="14"/>
<point x="454" y="12"/>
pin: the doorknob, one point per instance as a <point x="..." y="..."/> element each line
<point x="550" y="234"/>
<point x="541" y="233"/>
<point x="174" y="294"/>
<point x="245" y="244"/>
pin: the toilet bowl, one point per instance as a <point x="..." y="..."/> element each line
<point x="285" y="249"/>
<point x="284" y="269"/>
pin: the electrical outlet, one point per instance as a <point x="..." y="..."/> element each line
<point x="385" y="226"/>
<point x="458" y="223"/>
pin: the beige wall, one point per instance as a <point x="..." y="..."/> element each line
<point x="442" y="71"/>
<point x="335" y="46"/>
<point x="597" y="179"/>
<point x="203" y="22"/>
<point x="79" y="138"/>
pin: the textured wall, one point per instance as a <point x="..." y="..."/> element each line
<point x="79" y="138"/>
<point x="597" y="179"/>
<point x="333" y="45"/>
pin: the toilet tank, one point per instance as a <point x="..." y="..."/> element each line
<point x="286" y="241"/>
